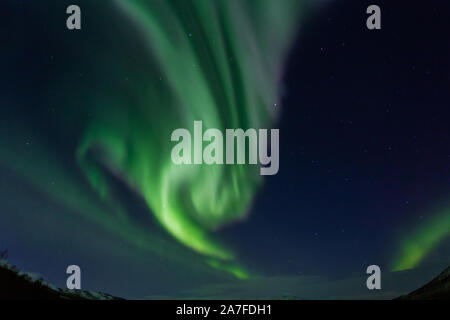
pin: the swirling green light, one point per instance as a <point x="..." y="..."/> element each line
<point x="221" y="66"/>
<point x="216" y="61"/>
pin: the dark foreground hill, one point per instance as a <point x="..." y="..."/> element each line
<point x="436" y="289"/>
<point x="18" y="285"/>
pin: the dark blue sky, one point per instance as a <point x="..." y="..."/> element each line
<point x="365" y="142"/>
<point x="364" y="160"/>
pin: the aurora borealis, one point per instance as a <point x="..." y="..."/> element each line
<point x="207" y="70"/>
<point x="421" y="241"/>
<point x="203" y="66"/>
<point x="86" y="119"/>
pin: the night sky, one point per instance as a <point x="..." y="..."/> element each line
<point x="85" y="122"/>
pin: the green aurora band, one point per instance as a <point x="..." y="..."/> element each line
<point x="215" y="61"/>
<point x="219" y="61"/>
<point x="415" y="246"/>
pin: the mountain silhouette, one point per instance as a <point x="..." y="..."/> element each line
<point x="436" y="289"/>
<point x="17" y="285"/>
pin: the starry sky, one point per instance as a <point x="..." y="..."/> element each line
<point x="85" y="123"/>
